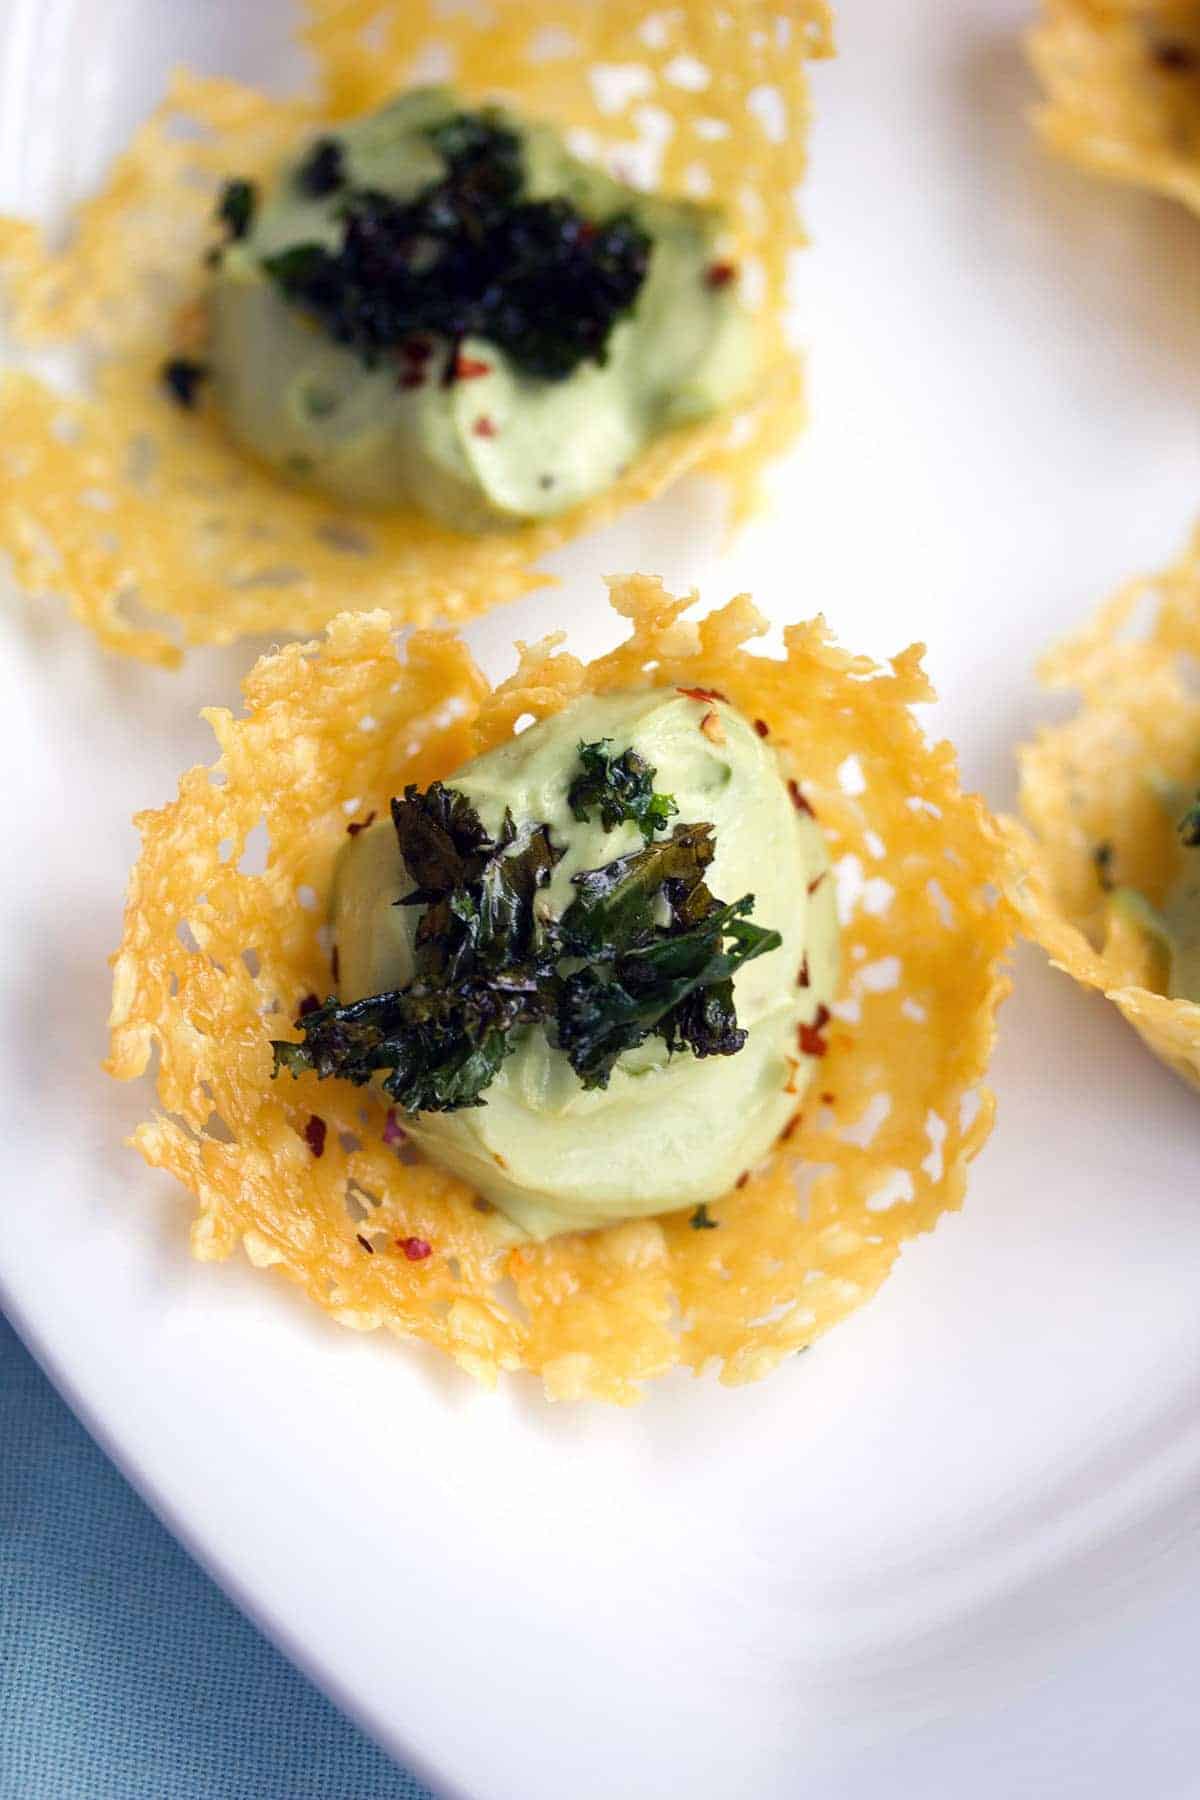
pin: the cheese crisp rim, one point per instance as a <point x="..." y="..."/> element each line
<point x="157" y="528"/>
<point x="1093" y="817"/>
<point x="316" y="1179"/>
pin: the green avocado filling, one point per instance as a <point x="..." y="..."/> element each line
<point x="594" y="969"/>
<point x="443" y="307"/>
<point x="1175" y="926"/>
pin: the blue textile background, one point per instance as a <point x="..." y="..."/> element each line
<point x="125" y="1674"/>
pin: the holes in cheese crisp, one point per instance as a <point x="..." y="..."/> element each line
<point x="256" y="848"/>
<point x="850" y="776"/>
<point x="937" y="894"/>
<point x="897" y="1189"/>
<point x="935" y="1131"/>
<point x="865" y="1128"/>
<point x="688" y="72"/>
<point x="878" y="977"/>
<point x="617" y="85"/>
<point x="765" y="103"/>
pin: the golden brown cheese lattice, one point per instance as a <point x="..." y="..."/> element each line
<point x="1122" y="86"/>
<point x="141" y="512"/>
<point x="1092" y="814"/>
<point x="215" y="961"/>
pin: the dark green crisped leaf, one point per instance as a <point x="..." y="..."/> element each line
<point x="485" y="964"/>
<point x="1189" y="826"/>
<point x="700" y="1220"/>
<point x="468" y="256"/>
<point x="675" y="980"/>
<point x="182" y="376"/>
<point x="323" y="170"/>
<point x="643" y="948"/>
<point x="621" y="788"/>
<point x="235" y="208"/>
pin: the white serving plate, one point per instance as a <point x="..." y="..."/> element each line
<point x="954" y="1550"/>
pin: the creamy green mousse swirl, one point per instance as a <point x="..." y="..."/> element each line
<point x="669" y="1130"/>
<point x="1174" y="928"/>
<point x="498" y="446"/>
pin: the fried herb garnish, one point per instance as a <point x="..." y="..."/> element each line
<point x="621" y="788"/>
<point x="484" y="963"/>
<point x="236" y="206"/>
<point x="644" y="948"/>
<point x="323" y="169"/>
<point x="182" y="376"/>
<point x="644" y="976"/>
<point x="468" y="256"/>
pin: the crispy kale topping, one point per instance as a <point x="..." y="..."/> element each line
<point x="644" y="948"/>
<point x="640" y="976"/>
<point x="467" y="256"/>
<point x="323" y="169"/>
<point x="235" y="208"/>
<point x="621" y="787"/>
<point x="182" y="376"/>
<point x="483" y="963"/>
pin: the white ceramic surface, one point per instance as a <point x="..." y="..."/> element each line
<point x="954" y="1550"/>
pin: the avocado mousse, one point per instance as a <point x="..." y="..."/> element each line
<point x="1174" y="928"/>
<point x="441" y="307"/>
<point x="595" y="967"/>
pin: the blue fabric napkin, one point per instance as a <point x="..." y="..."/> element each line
<point x="125" y="1674"/>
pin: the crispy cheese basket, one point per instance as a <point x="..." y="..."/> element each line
<point x="1093" y="818"/>
<point x="1122" y="86"/>
<point x="313" y="1179"/>
<point x="156" y="527"/>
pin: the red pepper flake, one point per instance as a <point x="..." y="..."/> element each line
<point x="1175" y="58"/>
<point x="485" y="427"/>
<point x="357" y="825"/>
<point x="812" y="1037"/>
<point x="803" y="978"/>
<point x="704" y="695"/>
<point x="762" y="728"/>
<point x="798" y="801"/>
<point x="481" y="1205"/>
<point x="411" y="378"/>
<point x="828" y="1099"/>
<point x="720" y="274"/>
<point x="333" y="963"/>
<point x="792" y="1125"/>
<point x="416" y="349"/>
<point x="468" y="368"/>
<point x="314" y="1134"/>
<point x="309" y="1004"/>
<point x="742" y="1179"/>
<point x="416" y="1249"/>
<point x="392" y="1132"/>
<point x="366" y="1243"/>
<point x="816" y="881"/>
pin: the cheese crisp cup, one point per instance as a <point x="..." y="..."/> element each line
<point x="320" y="1180"/>
<point x="143" y="510"/>
<point x="1102" y="797"/>
<point x="1122" y="86"/>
